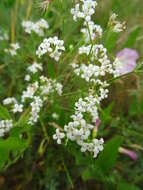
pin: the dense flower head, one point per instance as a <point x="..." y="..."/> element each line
<point x="58" y="136"/>
<point x="35" y="109"/>
<point x="94" y="29"/>
<point x="17" y="108"/>
<point x="10" y="100"/>
<point x="116" y="25"/>
<point x="53" y="46"/>
<point x="37" y="27"/>
<point x="84" y="9"/>
<point x="35" y="67"/>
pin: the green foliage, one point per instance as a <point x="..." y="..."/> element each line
<point x="110" y="39"/>
<point x="12" y="148"/>
<point x="8" y="3"/>
<point x="4" y="114"/>
<point x="125" y="186"/>
<point x="105" y="162"/>
<point x="132" y="38"/>
<point x="62" y="167"/>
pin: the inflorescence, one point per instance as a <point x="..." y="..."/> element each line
<point x="93" y="70"/>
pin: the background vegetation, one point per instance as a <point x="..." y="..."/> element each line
<point x="34" y="164"/>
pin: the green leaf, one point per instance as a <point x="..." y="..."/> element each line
<point x="105" y="162"/>
<point x="93" y="172"/>
<point x="106" y="113"/>
<point x="133" y="107"/>
<point x="108" y="157"/>
<point x="12" y="148"/>
<point x="4" y="114"/>
<point x="132" y="38"/>
<point x="8" y="3"/>
<point x="80" y="158"/>
<point x="110" y="39"/>
<point x="127" y="186"/>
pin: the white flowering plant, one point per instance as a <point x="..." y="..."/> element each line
<point x="61" y="68"/>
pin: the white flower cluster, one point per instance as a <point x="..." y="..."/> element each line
<point x="49" y="86"/>
<point x="97" y="52"/>
<point x="45" y="87"/>
<point x="27" y="77"/>
<point x="96" y="69"/>
<point x="58" y="136"/>
<point x="17" y="108"/>
<point x="79" y="130"/>
<point x="36" y="105"/>
<point x="10" y="100"/>
<point x="85" y="9"/>
<point x="117" y="65"/>
<point x="5" y="126"/>
<point x="37" y="27"/>
<point x="13" y="49"/>
<point x="115" y="24"/>
<point x="53" y="46"/>
<point x="37" y="93"/>
<point x="95" y="31"/>
<point x="13" y="102"/>
<point x="100" y="64"/>
<point x="35" y="67"/>
<point x="29" y="92"/>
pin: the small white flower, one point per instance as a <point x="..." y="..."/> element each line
<point x="13" y="49"/>
<point x="58" y="136"/>
<point x="35" y="67"/>
<point x="30" y="91"/>
<point x="84" y="10"/>
<point x="91" y="31"/>
<point x="17" y="108"/>
<point x="115" y="24"/>
<point x="10" y="100"/>
<point x="5" y="126"/>
<point x="27" y="78"/>
<point x="37" y="27"/>
<point x="53" y="46"/>
<point x="55" y="116"/>
<point x="36" y="106"/>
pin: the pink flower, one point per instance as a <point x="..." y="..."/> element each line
<point x="97" y="123"/>
<point x="129" y="153"/>
<point x="128" y="58"/>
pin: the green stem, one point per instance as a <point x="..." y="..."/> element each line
<point x="122" y="76"/>
<point x="90" y="39"/>
<point x="44" y="130"/>
<point x="68" y="175"/>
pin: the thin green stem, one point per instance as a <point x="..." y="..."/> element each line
<point x="44" y="130"/>
<point x="68" y="175"/>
